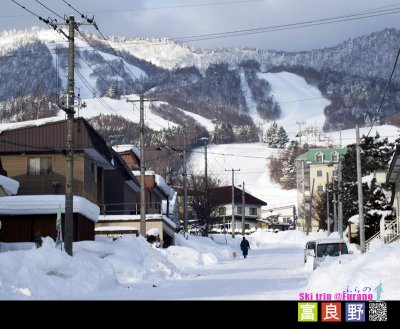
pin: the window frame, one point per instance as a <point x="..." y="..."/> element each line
<point x="222" y="211"/>
<point x="43" y="166"/>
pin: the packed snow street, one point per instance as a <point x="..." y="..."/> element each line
<point x="196" y="269"/>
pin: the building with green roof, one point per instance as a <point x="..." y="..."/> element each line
<point x="313" y="169"/>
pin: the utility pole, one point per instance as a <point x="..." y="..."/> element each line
<point x="184" y="174"/>
<point x="328" y="216"/>
<point x="340" y="125"/>
<point x="309" y="215"/>
<point x="233" y="201"/>
<point x="294" y="217"/>
<point x="300" y="123"/>
<point x="168" y="171"/>
<point x="142" y="168"/>
<point x="360" y="192"/>
<point x="79" y="99"/>
<point x="243" y="211"/>
<point x="69" y="190"/>
<point x="205" y="139"/>
<point x="334" y="204"/>
<point x="340" y="204"/>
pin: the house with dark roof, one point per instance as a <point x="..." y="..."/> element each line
<point x="251" y="208"/>
<point x="161" y="202"/>
<point x="33" y="154"/>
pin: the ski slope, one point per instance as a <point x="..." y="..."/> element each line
<point x="253" y="162"/>
<point x="299" y="101"/>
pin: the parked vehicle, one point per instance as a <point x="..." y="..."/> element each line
<point x="328" y="247"/>
<point x="310" y="246"/>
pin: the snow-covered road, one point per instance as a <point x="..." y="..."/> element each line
<point x="267" y="274"/>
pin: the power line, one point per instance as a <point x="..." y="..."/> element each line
<point x="92" y="21"/>
<point x="290" y="26"/>
<point x="386" y="91"/>
<point x="28" y="10"/>
<point x="53" y="12"/>
<point x="94" y="71"/>
<point x="91" y="88"/>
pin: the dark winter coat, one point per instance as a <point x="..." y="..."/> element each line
<point x="245" y="246"/>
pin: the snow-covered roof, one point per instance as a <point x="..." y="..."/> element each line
<point x="354" y="219"/>
<point x="127" y="147"/>
<point x="46" y="204"/>
<point x="330" y="240"/>
<point x="30" y="123"/>
<point x="9" y="185"/>
<point x="115" y="228"/>
<point x="168" y="190"/>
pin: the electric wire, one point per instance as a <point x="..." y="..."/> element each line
<point x="53" y="12"/>
<point x="386" y="91"/>
<point x="92" y="22"/>
<point x="290" y="26"/>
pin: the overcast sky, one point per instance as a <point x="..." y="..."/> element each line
<point x="183" y="18"/>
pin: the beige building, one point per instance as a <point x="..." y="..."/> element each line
<point x="313" y="170"/>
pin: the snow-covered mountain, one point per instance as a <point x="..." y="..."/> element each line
<point x="247" y="88"/>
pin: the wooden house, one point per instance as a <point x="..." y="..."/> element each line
<point x="222" y="196"/>
<point x="33" y="153"/>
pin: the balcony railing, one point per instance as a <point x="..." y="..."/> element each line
<point x="129" y="208"/>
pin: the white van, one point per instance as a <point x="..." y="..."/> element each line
<point x="328" y="247"/>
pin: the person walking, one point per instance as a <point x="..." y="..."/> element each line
<point x="245" y="246"/>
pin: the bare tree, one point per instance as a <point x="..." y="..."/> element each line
<point x="202" y="201"/>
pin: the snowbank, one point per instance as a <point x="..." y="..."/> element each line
<point x="9" y="185"/>
<point x="206" y="246"/>
<point x="262" y="238"/>
<point x="49" y="273"/>
<point x="358" y="272"/>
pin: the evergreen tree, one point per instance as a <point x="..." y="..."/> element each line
<point x="271" y="135"/>
<point x="223" y="134"/>
<point x="288" y="180"/>
<point x="375" y="155"/>
<point x="276" y="136"/>
<point x="283" y="138"/>
<point x="376" y="208"/>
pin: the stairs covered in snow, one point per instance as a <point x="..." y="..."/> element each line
<point x="388" y="234"/>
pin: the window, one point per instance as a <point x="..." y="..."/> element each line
<point x="39" y="166"/>
<point x="319" y="157"/>
<point x="320" y="188"/>
<point x="319" y="173"/>
<point x="239" y="210"/>
<point x="253" y="211"/>
<point x="334" y="173"/>
<point x="335" y="157"/>
<point x="247" y="226"/>
<point x="222" y="210"/>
